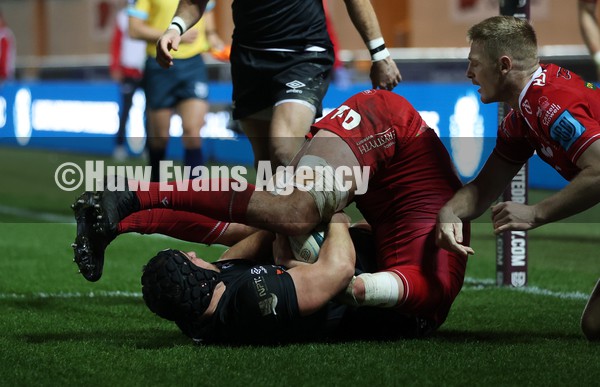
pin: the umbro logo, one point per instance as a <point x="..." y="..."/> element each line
<point x="294" y="86"/>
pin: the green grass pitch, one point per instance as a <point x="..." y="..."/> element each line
<point x="58" y="329"/>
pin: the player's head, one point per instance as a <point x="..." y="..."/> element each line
<point x="503" y="54"/>
<point x="175" y="288"/>
<point x="506" y="35"/>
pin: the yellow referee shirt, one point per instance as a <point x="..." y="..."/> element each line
<point x="158" y="14"/>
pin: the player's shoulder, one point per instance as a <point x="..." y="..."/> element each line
<point x="554" y="81"/>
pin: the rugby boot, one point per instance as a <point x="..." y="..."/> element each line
<point x="113" y="206"/>
<point x="88" y="247"/>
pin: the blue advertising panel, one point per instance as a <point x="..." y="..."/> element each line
<point x="84" y="117"/>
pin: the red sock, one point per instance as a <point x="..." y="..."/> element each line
<point x="217" y="200"/>
<point x="183" y="225"/>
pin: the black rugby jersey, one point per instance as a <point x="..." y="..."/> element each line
<point x="291" y="24"/>
<point x="259" y="305"/>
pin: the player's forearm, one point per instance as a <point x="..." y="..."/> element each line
<point x="190" y="11"/>
<point x="364" y="19"/>
<point x="467" y="203"/>
<point x="580" y="194"/>
<point x="589" y="26"/>
<point x="337" y="250"/>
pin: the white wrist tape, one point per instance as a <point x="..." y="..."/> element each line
<point x="381" y="55"/>
<point x="377" y="50"/>
<point x="373" y="44"/>
<point x="178" y="24"/>
<point x="381" y="289"/>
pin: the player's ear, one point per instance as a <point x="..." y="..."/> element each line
<point x="506" y="64"/>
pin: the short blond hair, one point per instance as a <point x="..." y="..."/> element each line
<point x="505" y="35"/>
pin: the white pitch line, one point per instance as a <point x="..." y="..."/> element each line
<point x="35" y="215"/>
<point x="61" y="295"/>
<point x="471" y="284"/>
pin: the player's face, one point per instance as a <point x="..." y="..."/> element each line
<point x="483" y="73"/>
<point x="191" y="255"/>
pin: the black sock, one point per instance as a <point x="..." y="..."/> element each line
<point x="156" y="156"/>
<point x="193" y="157"/>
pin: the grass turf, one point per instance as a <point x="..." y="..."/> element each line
<point x="58" y="329"/>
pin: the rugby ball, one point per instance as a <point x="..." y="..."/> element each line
<point x="306" y="247"/>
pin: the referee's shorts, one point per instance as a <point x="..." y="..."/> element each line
<point x="165" y="88"/>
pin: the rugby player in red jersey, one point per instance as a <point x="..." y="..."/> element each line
<point x="554" y="113"/>
<point x="408" y="176"/>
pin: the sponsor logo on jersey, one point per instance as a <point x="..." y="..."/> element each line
<point x="546" y="151"/>
<point x="268" y="305"/>
<point x="526" y="106"/>
<point x="267" y="301"/>
<point x="258" y="270"/>
<point x="566" y="130"/>
<point x="380" y="140"/>
<point x="294" y="87"/>
<point x="551" y="110"/>
<point x="542" y="106"/>
<point x="590" y="85"/>
<point x="563" y="73"/>
<point x="260" y="286"/>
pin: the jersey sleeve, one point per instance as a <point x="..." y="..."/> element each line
<point x="140" y="9"/>
<point x="574" y="128"/>
<point x="565" y="110"/>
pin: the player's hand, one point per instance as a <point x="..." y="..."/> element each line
<point x="282" y="253"/>
<point x="513" y="216"/>
<point x="168" y="41"/>
<point x="385" y="74"/>
<point x="449" y="233"/>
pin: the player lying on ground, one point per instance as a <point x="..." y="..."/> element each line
<point x="554" y="113"/>
<point x="410" y="176"/>
<point x="245" y="298"/>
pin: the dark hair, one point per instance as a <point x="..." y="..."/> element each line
<point x="176" y="289"/>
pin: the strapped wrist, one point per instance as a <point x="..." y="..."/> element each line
<point x="178" y="24"/>
<point x="378" y="50"/>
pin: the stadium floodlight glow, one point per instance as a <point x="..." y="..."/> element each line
<point x="466" y="135"/>
<point x="22" y="116"/>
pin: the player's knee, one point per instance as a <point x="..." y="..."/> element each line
<point x="375" y="289"/>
